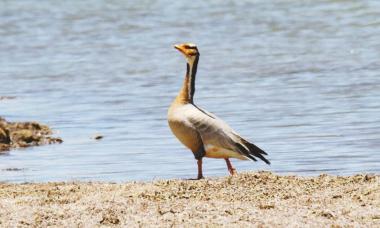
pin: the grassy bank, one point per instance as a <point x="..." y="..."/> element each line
<point x="251" y="198"/>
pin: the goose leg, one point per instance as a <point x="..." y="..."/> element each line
<point x="200" y="173"/>
<point x="231" y="169"/>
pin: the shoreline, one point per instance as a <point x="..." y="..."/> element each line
<point x="254" y="198"/>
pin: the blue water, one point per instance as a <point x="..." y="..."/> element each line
<point x="298" y="78"/>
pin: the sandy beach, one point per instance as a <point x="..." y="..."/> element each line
<point x="258" y="198"/>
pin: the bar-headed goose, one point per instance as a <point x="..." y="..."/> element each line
<point x="202" y="132"/>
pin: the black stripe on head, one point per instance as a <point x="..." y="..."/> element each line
<point x="187" y="46"/>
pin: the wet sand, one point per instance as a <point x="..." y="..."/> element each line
<point x="261" y="199"/>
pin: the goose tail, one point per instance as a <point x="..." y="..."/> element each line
<point x="252" y="151"/>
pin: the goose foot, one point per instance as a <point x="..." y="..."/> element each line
<point x="200" y="171"/>
<point x="231" y="169"/>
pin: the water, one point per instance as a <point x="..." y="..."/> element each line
<point x="298" y="78"/>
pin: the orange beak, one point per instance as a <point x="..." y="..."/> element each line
<point x="179" y="48"/>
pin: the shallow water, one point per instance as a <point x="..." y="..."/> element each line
<point x="298" y="78"/>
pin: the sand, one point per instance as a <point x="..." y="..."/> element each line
<point x="260" y="199"/>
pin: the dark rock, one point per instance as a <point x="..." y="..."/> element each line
<point x="4" y="135"/>
<point x="13" y="169"/>
<point x="24" y="134"/>
<point x="98" y="137"/>
<point x="4" y="147"/>
<point x="7" y="97"/>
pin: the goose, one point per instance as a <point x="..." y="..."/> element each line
<point x="202" y="132"/>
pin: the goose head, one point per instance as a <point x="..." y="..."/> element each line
<point x="189" y="50"/>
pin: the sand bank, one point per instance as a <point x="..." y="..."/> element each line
<point x="259" y="198"/>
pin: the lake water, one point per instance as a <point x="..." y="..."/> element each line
<point x="300" y="79"/>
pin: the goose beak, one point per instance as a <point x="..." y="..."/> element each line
<point x="179" y="48"/>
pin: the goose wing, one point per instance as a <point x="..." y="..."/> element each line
<point x="216" y="132"/>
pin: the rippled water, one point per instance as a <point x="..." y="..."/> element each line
<point x="299" y="78"/>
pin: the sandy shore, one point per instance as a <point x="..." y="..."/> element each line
<point x="262" y="199"/>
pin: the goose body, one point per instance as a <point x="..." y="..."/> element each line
<point x="202" y="132"/>
<point x="197" y="128"/>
